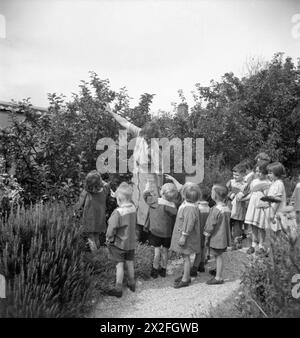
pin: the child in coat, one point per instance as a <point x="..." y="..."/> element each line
<point x="121" y="238"/>
<point x="162" y="214"/>
<point x="203" y="205"/>
<point x="186" y="237"/>
<point x="93" y="201"/>
<point x="217" y="230"/>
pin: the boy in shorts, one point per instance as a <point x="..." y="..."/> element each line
<point x="162" y="215"/>
<point x="121" y="238"/>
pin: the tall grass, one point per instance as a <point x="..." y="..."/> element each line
<point x="42" y="258"/>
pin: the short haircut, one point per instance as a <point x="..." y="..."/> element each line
<point x="221" y="191"/>
<point x="263" y="157"/>
<point x="93" y="182"/>
<point x="248" y="164"/>
<point x="124" y="191"/>
<point x="151" y="130"/>
<point x="277" y="169"/>
<point x="239" y="168"/>
<point x="263" y="168"/>
<point x="205" y="193"/>
<point x="170" y="192"/>
<point x="191" y="192"/>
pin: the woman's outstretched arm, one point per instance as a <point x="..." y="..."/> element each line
<point x="123" y="122"/>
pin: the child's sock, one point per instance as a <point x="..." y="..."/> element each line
<point x="118" y="286"/>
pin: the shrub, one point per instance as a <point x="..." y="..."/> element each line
<point x="268" y="281"/>
<point x="105" y="270"/>
<point x="42" y="259"/>
<point x="10" y="193"/>
<point x="143" y="260"/>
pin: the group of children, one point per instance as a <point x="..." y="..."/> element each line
<point x="258" y="200"/>
<point x="181" y="220"/>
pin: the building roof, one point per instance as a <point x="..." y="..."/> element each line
<point x="8" y="106"/>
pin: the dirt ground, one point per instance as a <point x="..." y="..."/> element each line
<point x="157" y="298"/>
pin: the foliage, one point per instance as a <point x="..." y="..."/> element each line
<point x="144" y="255"/>
<point x="242" y="117"/>
<point x="10" y="194"/>
<point x="54" y="151"/>
<point x="42" y="258"/>
<point x="268" y="283"/>
<point x="237" y="117"/>
<point x="105" y="270"/>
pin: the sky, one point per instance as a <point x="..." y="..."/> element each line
<point x="153" y="46"/>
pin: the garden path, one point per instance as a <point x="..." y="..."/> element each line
<point x="156" y="298"/>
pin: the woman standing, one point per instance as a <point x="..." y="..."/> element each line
<point x="147" y="165"/>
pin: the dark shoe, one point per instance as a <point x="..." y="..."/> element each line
<point x="251" y="250"/>
<point x="154" y="273"/>
<point x="115" y="293"/>
<point x="181" y="284"/>
<point x="178" y="279"/>
<point x="214" y="281"/>
<point x="131" y="286"/>
<point x="201" y="267"/>
<point x="212" y="272"/>
<point x="193" y="272"/>
<point x="162" y="272"/>
<point x="234" y="246"/>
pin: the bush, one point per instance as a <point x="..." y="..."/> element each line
<point x="143" y="260"/>
<point x="42" y="258"/>
<point x="268" y="282"/>
<point x="10" y="193"/>
<point x="105" y="270"/>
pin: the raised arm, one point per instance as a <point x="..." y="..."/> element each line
<point x="123" y="122"/>
<point x="173" y="179"/>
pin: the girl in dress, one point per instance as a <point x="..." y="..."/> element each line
<point x="255" y="217"/>
<point x="275" y="201"/>
<point x="186" y="237"/>
<point x="147" y="165"/>
<point x="93" y="201"/>
<point x="236" y="188"/>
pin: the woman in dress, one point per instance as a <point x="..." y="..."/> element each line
<point x="147" y="165"/>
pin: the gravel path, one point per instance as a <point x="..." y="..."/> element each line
<point x="157" y="298"/>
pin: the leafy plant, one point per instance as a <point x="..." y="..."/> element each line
<point x="42" y="258"/>
<point x="268" y="284"/>
<point x="105" y="270"/>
